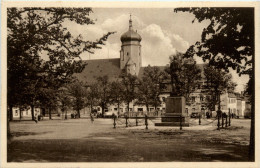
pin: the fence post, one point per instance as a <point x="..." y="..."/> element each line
<point x="114" y="121"/>
<point x="218" y="122"/>
<point x="126" y="123"/>
<point x="222" y="124"/>
<point x="229" y="118"/>
<point x="199" y="119"/>
<point x="180" y="122"/>
<point x="136" y="121"/>
<point x="226" y="120"/>
<point x="146" y="123"/>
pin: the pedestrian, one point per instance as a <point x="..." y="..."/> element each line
<point x="35" y="118"/>
<point x="91" y="117"/>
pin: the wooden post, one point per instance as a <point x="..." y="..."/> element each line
<point x="226" y="120"/>
<point x="136" y="121"/>
<point x="146" y="122"/>
<point x="218" y="122"/>
<point x="114" y="121"/>
<point x="199" y="119"/>
<point x="229" y="117"/>
<point x="222" y="124"/>
<point x="180" y="122"/>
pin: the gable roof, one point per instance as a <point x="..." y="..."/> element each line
<point x="98" y="68"/>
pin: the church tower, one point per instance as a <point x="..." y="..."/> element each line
<point x="130" y="53"/>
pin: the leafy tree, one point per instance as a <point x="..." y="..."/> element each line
<point x="217" y="82"/>
<point x="92" y="95"/>
<point x="34" y="32"/>
<point x="64" y="100"/>
<point x="151" y="86"/>
<point x="129" y="88"/>
<point x="77" y="93"/>
<point x="228" y="41"/>
<point x="184" y="75"/>
<point x="103" y="92"/>
<point x="117" y="91"/>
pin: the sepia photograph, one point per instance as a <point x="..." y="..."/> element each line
<point x="129" y="84"/>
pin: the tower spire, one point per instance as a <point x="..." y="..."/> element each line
<point x="130" y="22"/>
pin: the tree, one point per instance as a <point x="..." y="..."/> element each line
<point x="218" y="82"/>
<point x="77" y="93"/>
<point x="129" y="84"/>
<point x="103" y="92"/>
<point x="64" y="100"/>
<point x="228" y="41"/>
<point x="92" y="95"/>
<point x="116" y="95"/>
<point x="36" y="32"/>
<point x="151" y="86"/>
<point x="184" y="75"/>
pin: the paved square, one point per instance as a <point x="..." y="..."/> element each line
<point x="78" y="140"/>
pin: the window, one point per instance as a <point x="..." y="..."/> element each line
<point x="127" y="53"/>
<point x="140" y="109"/>
<point x="151" y="109"/>
<point x="158" y="109"/>
<point x="115" y="109"/>
<point x="201" y="98"/>
<point x="16" y="112"/>
<point x="130" y="109"/>
<point x="26" y="112"/>
<point x="98" y="109"/>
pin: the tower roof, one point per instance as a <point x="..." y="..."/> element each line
<point x="131" y="35"/>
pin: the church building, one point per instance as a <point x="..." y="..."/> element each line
<point x="130" y="60"/>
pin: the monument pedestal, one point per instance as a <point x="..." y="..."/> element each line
<point x="175" y="110"/>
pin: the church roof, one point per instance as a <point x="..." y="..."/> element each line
<point x="98" y="68"/>
<point x="131" y="35"/>
<point x="111" y="68"/>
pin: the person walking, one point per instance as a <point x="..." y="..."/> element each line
<point x="92" y="117"/>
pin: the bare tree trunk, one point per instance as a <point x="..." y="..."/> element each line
<point x="128" y="104"/>
<point x="103" y="109"/>
<point x="118" y="109"/>
<point x="20" y="113"/>
<point x="8" y="124"/>
<point x="78" y="113"/>
<point x="50" y="113"/>
<point x="11" y="113"/>
<point x="32" y="110"/>
<point x="252" y="131"/>
<point x="147" y="109"/>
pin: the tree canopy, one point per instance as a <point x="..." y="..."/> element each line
<point x="34" y="33"/>
<point x="228" y="41"/>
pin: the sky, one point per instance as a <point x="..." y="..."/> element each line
<point x="162" y="30"/>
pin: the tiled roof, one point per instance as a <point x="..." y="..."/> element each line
<point x="111" y="68"/>
<point x="98" y="68"/>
